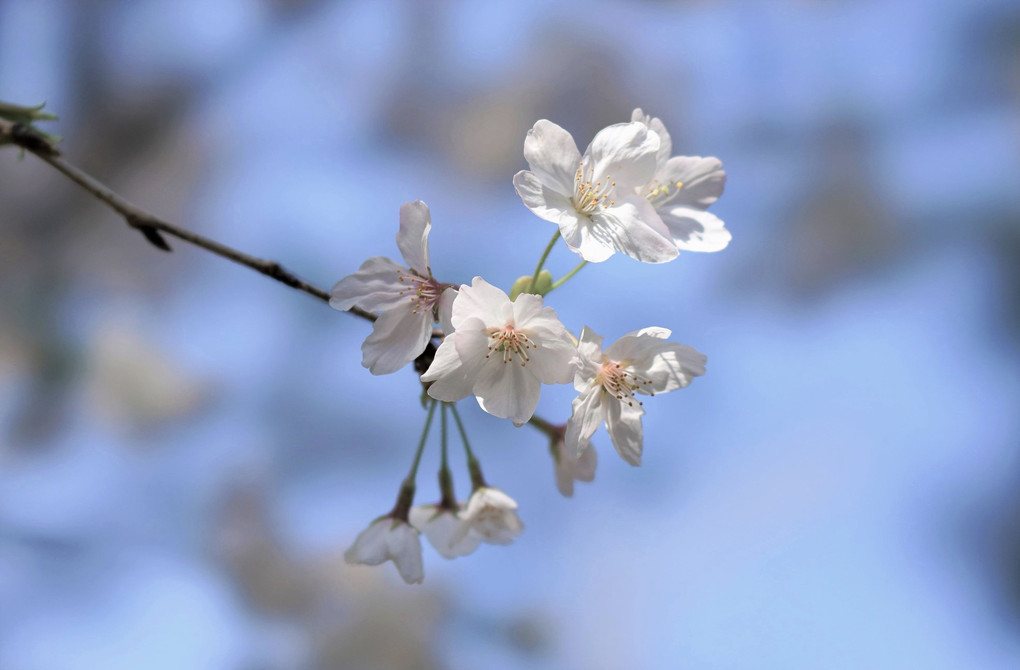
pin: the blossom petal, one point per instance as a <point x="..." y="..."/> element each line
<point x="552" y="360"/>
<point x="439" y="526"/>
<point x="624" y="153"/>
<point x="375" y="286"/>
<point x="633" y="227"/>
<point x="397" y="337"/>
<point x="507" y="390"/>
<point x="655" y="125"/>
<point x="413" y="236"/>
<point x="545" y="202"/>
<point x="702" y="180"/>
<point x="405" y="550"/>
<point x="673" y="367"/>
<point x="552" y="155"/>
<point x="481" y="299"/>
<point x="449" y="382"/>
<point x="589" y="357"/>
<point x="446" y="309"/>
<point x="623" y="421"/>
<point x="695" y="230"/>
<point x="587" y="413"/>
<point x="584" y="239"/>
<point x="370" y="547"/>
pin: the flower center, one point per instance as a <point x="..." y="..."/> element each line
<point x="589" y="196"/>
<point x="509" y="341"/>
<point x="621" y="383"/>
<point x="659" y="194"/>
<point x="423" y="292"/>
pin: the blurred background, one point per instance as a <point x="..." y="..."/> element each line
<point x="186" y="447"/>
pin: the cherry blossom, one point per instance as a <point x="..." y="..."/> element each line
<point x="640" y="362"/>
<point x="500" y="351"/>
<point x="490" y="516"/>
<point x="439" y="525"/>
<point x="594" y="198"/>
<point x="571" y="466"/>
<point x="681" y="189"/>
<point x="408" y="299"/>
<point x="389" y="539"/>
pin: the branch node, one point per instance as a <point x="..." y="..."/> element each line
<point x="151" y="234"/>
<point x="32" y="140"/>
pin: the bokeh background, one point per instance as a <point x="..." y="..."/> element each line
<point x="186" y="448"/>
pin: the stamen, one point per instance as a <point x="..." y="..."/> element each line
<point x="622" y="383"/>
<point x="588" y="197"/>
<point x="509" y="341"/>
<point x="423" y="292"/>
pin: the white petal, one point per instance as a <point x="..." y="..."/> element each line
<point x="584" y="466"/>
<point x="552" y="155"/>
<point x="624" y="153"/>
<point x="653" y="331"/>
<point x="446" y="309"/>
<point x="552" y="361"/>
<point x="588" y="411"/>
<point x="695" y="230"/>
<point x="397" y="337"/>
<point x="702" y="179"/>
<point x="413" y="236"/>
<point x="673" y="367"/>
<point x="545" y="202"/>
<point x="405" y="549"/>
<point x="375" y="286"/>
<point x="636" y="348"/>
<point x="623" y="421"/>
<point x="655" y="125"/>
<point x="507" y="390"/>
<point x="490" y="496"/>
<point x="450" y="383"/>
<point x="633" y="227"/>
<point x="589" y="358"/>
<point x="584" y="239"/>
<point x="439" y="527"/>
<point x="481" y="300"/>
<point x="370" y="546"/>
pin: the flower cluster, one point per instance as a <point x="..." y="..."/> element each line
<point x="626" y="193"/>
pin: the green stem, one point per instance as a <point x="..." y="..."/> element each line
<point x="541" y="262"/>
<point x="448" y="499"/>
<point x="477" y="480"/>
<point x="541" y="424"/>
<point x="421" y="443"/>
<point x="563" y="280"/>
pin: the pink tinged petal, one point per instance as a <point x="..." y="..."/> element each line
<point x="397" y="337"/>
<point x="545" y="202"/>
<point x="446" y="309"/>
<point x="449" y="381"/>
<point x="552" y="155"/>
<point x="507" y="390"/>
<point x="413" y="236"/>
<point x="702" y="180"/>
<point x="623" y="422"/>
<point x="696" y="230"/>
<point x="633" y="227"/>
<point x="375" y="287"/>
<point x="481" y="300"/>
<point x="624" y="153"/>
<point x="588" y="411"/>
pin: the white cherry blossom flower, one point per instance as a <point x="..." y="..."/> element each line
<point x="389" y="539"/>
<point x="440" y="524"/>
<point x="408" y="299"/>
<point x="594" y="198"/>
<point x="570" y="466"/>
<point x="681" y="190"/>
<point x="501" y="351"/>
<point x="490" y="516"/>
<point x="639" y="362"/>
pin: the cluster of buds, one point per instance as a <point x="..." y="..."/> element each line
<point x="626" y="193"/>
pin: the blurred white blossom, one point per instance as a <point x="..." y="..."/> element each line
<point x="389" y="539"/>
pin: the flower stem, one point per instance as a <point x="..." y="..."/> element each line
<point x="549" y="429"/>
<point x="541" y="262"/>
<point x="477" y="480"/>
<point x="449" y="498"/>
<point x="406" y="495"/>
<point x="563" y="280"/>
